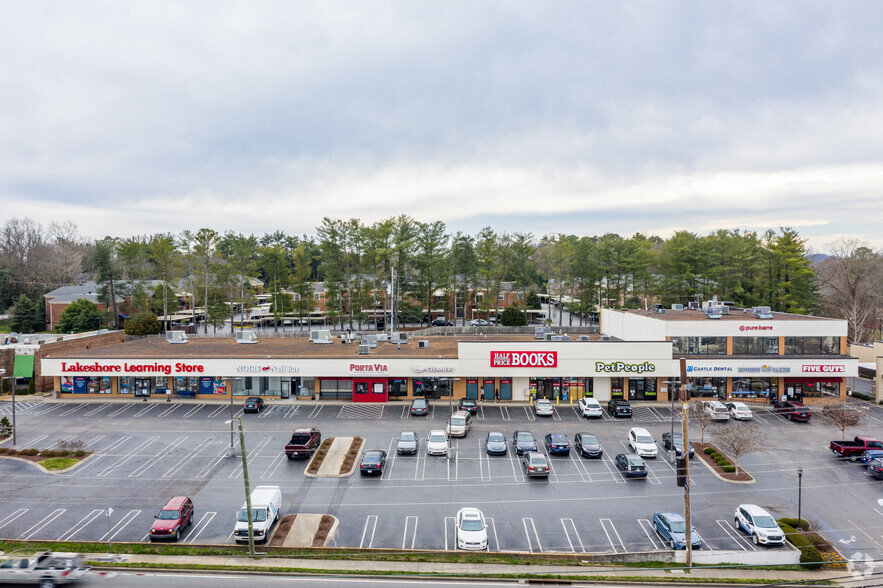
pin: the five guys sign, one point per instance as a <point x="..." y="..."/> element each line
<point x="546" y="359"/>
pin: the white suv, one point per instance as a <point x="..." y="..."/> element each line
<point x="642" y="443"/>
<point x="716" y="410"/>
<point x="590" y="407"/>
<point x="759" y="524"/>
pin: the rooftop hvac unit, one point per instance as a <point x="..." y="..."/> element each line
<point x="606" y="338"/>
<point x="548" y="336"/>
<point x="585" y="337"/>
<point x="246" y="337"/>
<point x="176" y="336"/>
<point x="714" y="312"/>
<point x="364" y="349"/>
<point x="560" y="338"/>
<point x="762" y="312"/>
<point x="398" y="337"/>
<point x="321" y="337"/>
<point x="369" y="340"/>
<point x="677" y="307"/>
<point x="693" y="305"/>
<point x="382" y="336"/>
<point x="540" y="332"/>
<point x="423" y="344"/>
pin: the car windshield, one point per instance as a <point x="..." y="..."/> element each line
<point x="678" y="526"/>
<point x="765" y="522"/>
<point x="524" y="437"/>
<point x="645" y="439"/>
<point x="258" y="515"/>
<point x="458" y="421"/>
<point x="589" y="439"/>
<point x="471" y="525"/>
<point x="496" y="438"/>
<point x="167" y="515"/>
<point x="407" y="437"/>
<point x="437" y="438"/>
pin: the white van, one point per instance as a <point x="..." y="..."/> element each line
<point x="460" y="423"/>
<point x="716" y="410"/>
<point x="265" y="504"/>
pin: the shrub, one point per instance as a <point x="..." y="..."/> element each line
<point x="30" y="452"/>
<point x="49" y="453"/>
<point x="793" y="522"/>
<point x="811" y="558"/>
<point x="64" y="453"/>
<point x="5" y="426"/>
<point x="709" y="450"/>
<point x="729" y="469"/>
<point x="3" y="450"/>
<point x="715" y="455"/>
<point x="79" y="453"/>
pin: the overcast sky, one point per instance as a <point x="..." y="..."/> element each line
<point x="576" y="117"/>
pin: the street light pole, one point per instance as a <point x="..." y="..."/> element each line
<point x="799" y="495"/>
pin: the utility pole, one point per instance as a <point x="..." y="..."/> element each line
<point x="247" y="490"/>
<point x="685" y="453"/>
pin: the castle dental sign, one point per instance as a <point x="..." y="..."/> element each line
<point x="524" y="359"/>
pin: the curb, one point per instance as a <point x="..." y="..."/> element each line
<point x="719" y="477"/>
<point x="339" y="474"/>
<point x="52" y="472"/>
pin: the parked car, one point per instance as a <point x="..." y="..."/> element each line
<point x="253" y="404"/>
<point x="478" y="323"/>
<point x="590" y="407"/>
<point x="739" y="411"/>
<point x="557" y="444"/>
<point x="495" y="443"/>
<point x="468" y="405"/>
<point x="619" y="407"/>
<point x="440" y="322"/>
<point x="793" y="411"/>
<point x="174" y="517"/>
<point x="419" y="407"/>
<point x="587" y="445"/>
<point x="759" y="524"/>
<point x="631" y="465"/>
<point x="673" y="528"/>
<point x="642" y="443"/>
<point x="535" y="464"/>
<point x="714" y="409"/>
<point x="676" y="442"/>
<point x="459" y="424"/>
<point x="523" y="441"/>
<point x="544" y="407"/>
<point x="875" y="468"/>
<point x="437" y="443"/>
<point x="303" y="443"/>
<point x="408" y="443"/>
<point x="855" y="448"/>
<point x="870" y="455"/>
<point x="373" y="462"/>
<point x="471" y="529"/>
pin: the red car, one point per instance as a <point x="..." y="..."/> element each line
<point x="793" y="411"/>
<point x="172" y="519"/>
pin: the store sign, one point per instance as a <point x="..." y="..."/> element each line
<point x="267" y="369"/>
<point x="764" y="369"/>
<point x="521" y="359"/>
<point x="755" y="327"/>
<point x="621" y="366"/>
<point x="369" y="368"/>
<point x="824" y="369"/>
<point x="704" y="369"/>
<point x="419" y="369"/>
<point x="147" y="368"/>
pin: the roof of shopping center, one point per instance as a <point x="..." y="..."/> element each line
<point x="734" y="314"/>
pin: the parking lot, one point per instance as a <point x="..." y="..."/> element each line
<point x="150" y="451"/>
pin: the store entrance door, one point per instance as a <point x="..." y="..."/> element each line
<point x="472" y="389"/>
<point x="285" y="390"/>
<point x="505" y="389"/>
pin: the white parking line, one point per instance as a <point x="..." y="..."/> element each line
<point x="33" y="442"/>
<point x="484" y="461"/>
<point x="581" y="469"/>
<point x="186" y="459"/>
<point x="213" y="413"/>
<point x="410" y="524"/>
<point x="268" y="411"/>
<point x="39" y="526"/>
<point x="705" y="546"/>
<point x="124" y="522"/>
<point x="126" y="457"/>
<point x="71" y="411"/>
<point x="492" y="527"/>
<point x="479" y="415"/>
<point x="605" y="523"/>
<point x="170" y="409"/>
<point x="614" y="472"/>
<point x="291" y="412"/>
<point x="529" y="413"/>
<point x="517" y="472"/>
<point x="48" y="410"/>
<point x="158" y="457"/>
<point x="455" y="447"/>
<point x="13" y="516"/>
<point x="97" y="410"/>
<point x="92" y="442"/>
<point x="315" y="412"/>
<point x="647" y="527"/>
<point x="201" y="526"/>
<point x="145" y="410"/>
<point x="504" y="412"/>
<point x="86" y="520"/>
<point x="390" y="461"/>
<point x="569" y="526"/>
<point x="250" y="457"/>
<point x="450" y="523"/>
<point x="371" y="523"/>
<point x="528" y="528"/>
<point x="120" y="410"/>
<point x="726" y="527"/>
<point x="211" y="465"/>
<point x="274" y="465"/>
<point x="553" y="475"/>
<point x="117" y="443"/>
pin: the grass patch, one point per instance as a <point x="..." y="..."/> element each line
<point x="56" y="464"/>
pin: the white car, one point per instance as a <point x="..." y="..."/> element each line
<point x="437" y="443"/>
<point x="590" y="407"/>
<point x="544" y="407"/>
<point x="478" y="323"/>
<point x="642" y="443"/>
<point x="739" y="411"/>
<point x="759" y="524"/>
<point x="715" y="410"/>
<point x="471" y="530"/>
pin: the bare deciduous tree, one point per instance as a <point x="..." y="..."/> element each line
<point x="843" y="416"/>
<point x="737" y="439"/>
<point x="701" y="417"/>
<point x="850" y="282"/>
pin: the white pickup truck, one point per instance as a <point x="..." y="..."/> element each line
<point x="45" y="569"/>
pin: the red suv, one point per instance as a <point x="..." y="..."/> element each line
<point x="171" y="520"/>
<point x="793" y="411"/>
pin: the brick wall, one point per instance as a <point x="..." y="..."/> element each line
<point x="68" y="345"/>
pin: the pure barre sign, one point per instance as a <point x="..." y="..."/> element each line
<point x="524" y="359"/>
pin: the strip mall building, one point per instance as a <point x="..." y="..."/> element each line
<point x="738" y="356"/>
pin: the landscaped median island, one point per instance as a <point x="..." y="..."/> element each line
<point x="336" y="456"/>
<point x="721" y="465"/>
<point x="813" y="547"/>
<point x="303" y="530"/>
<point x="65" y="456"/>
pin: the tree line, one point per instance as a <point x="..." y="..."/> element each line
<point x="358" y="262"/>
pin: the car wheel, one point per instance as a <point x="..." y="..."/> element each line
<point x="853" y="458"/>
<point x="673" y="545"/>
<point x="756" y="539"/>
<point x="653" y="524"/>
<point x="736" y="525"/>
<point x="47" y="583"/>
<point x="177" y="534"/>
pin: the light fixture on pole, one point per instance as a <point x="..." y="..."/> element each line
<point x="799" y="495"/>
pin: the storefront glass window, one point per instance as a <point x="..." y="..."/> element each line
<point x="707" y="387"/>
<point x="755" y="345"/>
<point x="699" y="345"/>
<point x="124" y="383"/>
<point x="340" y="389"/>
<point x="616" y="387"/>
<point x="812" y="346"/>
<point x="800" y="390"/>
<point x="755" y="389"/>
<point x="187" y="384"/>
<point x="160" y="384"/>
<point x="397" y="387"/>
<point x="432" y="387"/>
<point x="307" y="387"/>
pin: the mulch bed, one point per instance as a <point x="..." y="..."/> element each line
<point x="321" y="535"/>
<point x="38" y="458"/>
<point x="281" y="531"/>
<point x="740" y="476"/>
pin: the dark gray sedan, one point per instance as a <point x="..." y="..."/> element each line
<point x="676" y="442"/>
<point x="495" y="443"/>
<point x="587" y="445"/>
<point x="407" y="443"/>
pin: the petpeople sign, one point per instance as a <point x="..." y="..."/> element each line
<point x="524" y="359"/>
<point x="621" y="366"/>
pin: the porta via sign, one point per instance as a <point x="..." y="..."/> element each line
<point x="545" y="359"/>
<point x="824" y="369"/>
<point x="369" y="368"/>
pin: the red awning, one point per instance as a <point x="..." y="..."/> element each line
<point x="826" y="380"/>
